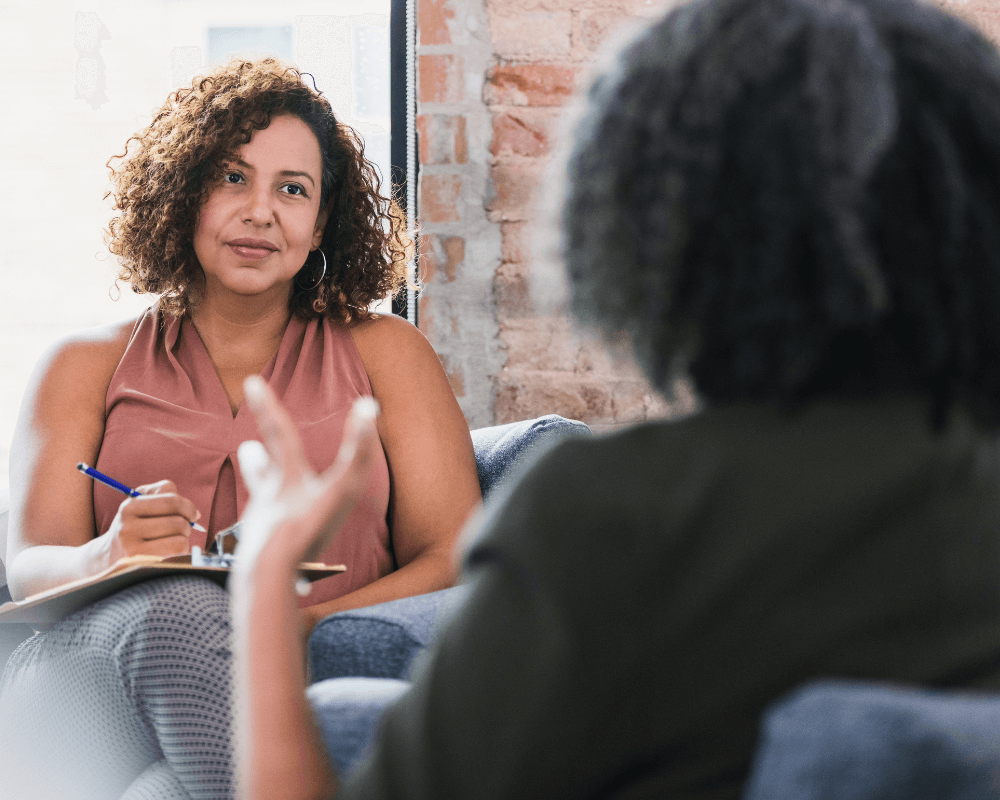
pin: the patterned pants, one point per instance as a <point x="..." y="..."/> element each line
<point x="128" y="698"/>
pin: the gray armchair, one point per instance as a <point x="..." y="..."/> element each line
<point x="11" y="635"/>
<point x="854" y="740"/>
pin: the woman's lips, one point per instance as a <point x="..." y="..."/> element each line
<point x="251" y="249"/>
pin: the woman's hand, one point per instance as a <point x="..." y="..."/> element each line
<point x="294" y="513"/>
<point x="156" y="524"/>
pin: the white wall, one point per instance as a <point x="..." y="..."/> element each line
<point x="76" y="80"/>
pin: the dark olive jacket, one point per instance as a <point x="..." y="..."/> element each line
<point x="639" y="598"/>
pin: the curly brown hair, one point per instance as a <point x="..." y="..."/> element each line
<point x="167" y="170"/>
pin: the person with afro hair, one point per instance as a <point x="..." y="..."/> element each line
<point x="793" y="205"/>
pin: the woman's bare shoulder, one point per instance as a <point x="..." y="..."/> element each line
<point x="85" y="359"/>
<point x="389" y="342"/>
<point x="382" y="325"/>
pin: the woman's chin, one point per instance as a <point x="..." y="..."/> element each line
<point x="253" y="284"/>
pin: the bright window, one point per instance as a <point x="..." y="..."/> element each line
<point x="80" y="78"/>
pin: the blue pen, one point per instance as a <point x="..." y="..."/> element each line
<point x="90" y="472"/>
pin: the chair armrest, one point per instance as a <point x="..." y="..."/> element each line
<point x="4" y="517"/>
<point x="382" y="641"/>
<point x="504" y="451"/>
<point x="379" y="641"/>
<point x="870" y="741"/>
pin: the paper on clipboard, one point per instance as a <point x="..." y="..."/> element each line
<point x="53" y="604"/>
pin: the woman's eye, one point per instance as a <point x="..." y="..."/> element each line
<point x="232" y="177"/>
<point x="294" y="189"/>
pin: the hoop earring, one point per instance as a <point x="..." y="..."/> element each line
<point x="319" y="280"/>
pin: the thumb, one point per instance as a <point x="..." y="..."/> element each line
<point x="254" y="466"/>
<point x="358" y="431"/>
<point x="346" y="478"/>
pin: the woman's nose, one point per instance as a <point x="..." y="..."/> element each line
<point x="258" y="209"/>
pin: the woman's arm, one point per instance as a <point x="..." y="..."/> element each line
<point x="292" y="514"/>
<point x="432" y="469"/>
<point x="51" y="535"/>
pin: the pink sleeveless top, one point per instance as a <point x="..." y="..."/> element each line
<point x="168" y="417"/>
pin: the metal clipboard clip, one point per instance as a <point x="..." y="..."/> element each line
<point x="218" y="557"/>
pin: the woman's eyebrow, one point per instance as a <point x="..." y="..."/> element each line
<point x="285" y="173"/>
<point x="291" y="173"/>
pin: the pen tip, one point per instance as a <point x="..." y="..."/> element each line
<point x="81" y="466"/>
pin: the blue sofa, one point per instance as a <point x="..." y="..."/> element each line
<point x="359" y="660"/>
<point x="382" y="641"/>
<point x="853" y="740"/>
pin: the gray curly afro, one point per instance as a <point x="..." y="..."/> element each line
<point x="796" y="199"/>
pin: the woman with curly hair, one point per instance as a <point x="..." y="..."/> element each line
<point x="251" y="210"/>
<point x="796" y="205"/>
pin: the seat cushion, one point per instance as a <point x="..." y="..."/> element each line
<point x="379" y="641"/>
<point x="382" y="641"/>
<point x="503" y="451"/>
<point x="347" y="711"/>
<point x="867" y="741"/>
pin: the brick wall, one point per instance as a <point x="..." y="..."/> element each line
<point x="459" y="245"/>
<point x="542" y="51"/>
<point x="495" y="79"/>
<point x="985" y="14"/>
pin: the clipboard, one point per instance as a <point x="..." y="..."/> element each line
<point x="53" y="604"/>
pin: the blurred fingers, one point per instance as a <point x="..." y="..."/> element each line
<point x="359" y="431"/>
<point x="254" y="464"/>
<point x="345" y="481"/>
<point x="281" y="439"/>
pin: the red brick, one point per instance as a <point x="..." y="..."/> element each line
<point x="593" y="356"/>
<point x="523" y="395"/>
<point x="423" y="139"/>
<point x="988" y="21"/>
<point x="983" y="14"/>
<point x="519" y="133"/>
<point x="513" y="196"/>
<point x="529" y="85"/>
<point x="461" y="146"/>
<point x="592" y="26"/>
<point x="441" y="79"/>
<point x="540" y="343"/>
<point x="511" y="292"/>
<point x="433" y="17"/>
<point x="628" y="401"/>
<point x="442" y="139"/>
<point x="515" y="242"/>
<point x="439" y="197"/>
<point x="518" y="32"/>
<point x="425" y="317"/>
<point x="440" y="254"/>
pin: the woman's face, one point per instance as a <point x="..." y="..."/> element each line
<point x="258" y="224"/>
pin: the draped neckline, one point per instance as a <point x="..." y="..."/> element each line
<point x="219" y="397"/>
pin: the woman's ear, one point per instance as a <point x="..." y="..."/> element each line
<point x="324" y="215"/>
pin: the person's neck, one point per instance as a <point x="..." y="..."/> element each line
<point x="240" y="328"/>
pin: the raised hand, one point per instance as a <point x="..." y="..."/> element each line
<point x="294" y="513"/>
